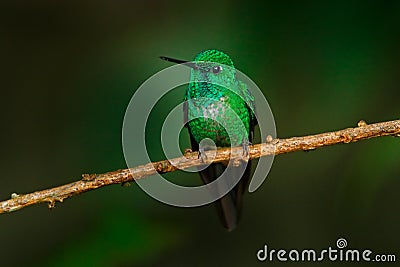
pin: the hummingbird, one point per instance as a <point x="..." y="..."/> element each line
<point x="213" y="77"/>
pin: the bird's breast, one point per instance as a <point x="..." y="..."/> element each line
<point x="218" y="119"/>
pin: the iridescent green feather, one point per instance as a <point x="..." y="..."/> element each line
<point x="214" y="94"/>
<point x="218" y="97"/>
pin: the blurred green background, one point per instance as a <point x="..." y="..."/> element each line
<point x="69" y="69"/>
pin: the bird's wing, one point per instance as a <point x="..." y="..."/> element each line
<point x="251" y="106"/>
<point x="185" y="112"/>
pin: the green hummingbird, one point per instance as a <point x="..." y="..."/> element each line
<point x="213" y="92"/>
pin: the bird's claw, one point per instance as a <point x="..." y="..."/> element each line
<point x="202" y="155"/>
<point x="245" y="146"/>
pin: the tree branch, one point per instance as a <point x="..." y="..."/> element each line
<point x="191" y="159"/>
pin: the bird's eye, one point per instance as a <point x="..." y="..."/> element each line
<point x="216" y="69"/>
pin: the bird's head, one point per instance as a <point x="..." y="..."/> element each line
<point x="211" y="66"/>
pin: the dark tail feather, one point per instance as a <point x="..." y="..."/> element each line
<point x="229" y="206"/>
<point x="228" y="211"/>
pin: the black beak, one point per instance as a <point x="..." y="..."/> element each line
<point x="178" y="61"/>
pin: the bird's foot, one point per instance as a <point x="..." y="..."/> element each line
<point x="207" y="145"/>
<point x="245" y="146"/>
<point x="202" y="155"/>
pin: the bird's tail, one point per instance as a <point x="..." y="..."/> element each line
<point x="229" y="207"/>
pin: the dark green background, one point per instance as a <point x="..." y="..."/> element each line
<point x="68" y="71"/>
